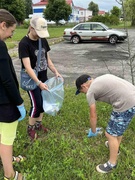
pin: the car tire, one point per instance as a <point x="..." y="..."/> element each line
<point x="75" y="39"/>
<point x="113" y="39"/>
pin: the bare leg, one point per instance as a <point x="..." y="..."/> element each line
<point x="6" y="157"/>
<point x="40" y="117"/>
<point x="119" y="139"/>
<point x="114" y="143"/>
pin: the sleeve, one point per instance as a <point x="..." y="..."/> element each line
<point x="8" y="77"/>
<point x="90" y="98"/>
<point x="23" y="50"/>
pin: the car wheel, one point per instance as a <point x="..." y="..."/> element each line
<point x="113" y="39"/>
<point x="75" y="39"/>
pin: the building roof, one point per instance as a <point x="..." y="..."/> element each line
<point x="101" y="12"/>
<point x="42" y="2"/>
<point x="80" y="8"/>
<point x="45" y="2"/>
<point x="69" y="2"/>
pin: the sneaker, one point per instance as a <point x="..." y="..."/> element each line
<point x="40" y="127"/>
<point x="105" y="168"/>
<point x="107" y="145"/>
<point x="31" y="132"/>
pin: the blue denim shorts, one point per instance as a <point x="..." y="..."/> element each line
<point x="119" y="122"/>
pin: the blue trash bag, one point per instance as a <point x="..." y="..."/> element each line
<point x="53" y="99"/>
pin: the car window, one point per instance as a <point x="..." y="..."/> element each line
<point x="77" y="27"/>
<point x="97" y="27"/>
<point x="83" y="27"/>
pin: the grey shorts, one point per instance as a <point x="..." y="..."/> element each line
<point x="119" y="122"/>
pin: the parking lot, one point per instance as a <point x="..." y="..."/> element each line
<point x="95" y="59"/>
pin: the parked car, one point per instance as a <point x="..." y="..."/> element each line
<point x="50" y="22"/>
<point x="93" y="31"/>
<point x="61" y="22"/>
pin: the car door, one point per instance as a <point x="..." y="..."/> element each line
<point x="98" y="32"/>
<point x="83" y="30"/>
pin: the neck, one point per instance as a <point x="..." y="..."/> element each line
<point x="34" y="38"/>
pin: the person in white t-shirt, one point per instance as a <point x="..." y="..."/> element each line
<point x="121" y="95"/>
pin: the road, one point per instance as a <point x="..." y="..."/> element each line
<point x="95" y="59"/>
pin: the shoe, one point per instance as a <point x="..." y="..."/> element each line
<point x="40" y="127"/>
<point x="107" y="145"/>
<point x="31" y="132"/>
<point x="18" y="159"/>
<point x="105" y="168"/>
<point x="16" y="176"/>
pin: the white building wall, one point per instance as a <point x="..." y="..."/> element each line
<point x="84" y="15"/>
<point x="38" y="10"/>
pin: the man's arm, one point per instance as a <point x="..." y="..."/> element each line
<point x="93" y="117"/>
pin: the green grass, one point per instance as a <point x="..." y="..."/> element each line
<point x="65" y="153"/>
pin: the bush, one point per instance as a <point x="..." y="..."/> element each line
<point x="114" y="20"/>
<point x="26" y="23"/>
<point x="107" y="19"/>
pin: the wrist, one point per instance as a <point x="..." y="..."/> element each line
<point x="38" y="83"/>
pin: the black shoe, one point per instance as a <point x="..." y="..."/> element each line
<point x="105" y="168"/>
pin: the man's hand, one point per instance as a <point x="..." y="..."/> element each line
<point x="99" y="130"/>
<point x="22" y="111"/>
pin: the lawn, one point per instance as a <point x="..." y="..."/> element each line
<point x="66" y="153"/>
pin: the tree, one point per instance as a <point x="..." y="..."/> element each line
<point x="28" y="9"/>
<point x="57" y="10"/>
<point x="116" y="11"/>
<point x="16" y="7"/>
<point x="129" y="6"/>
<point x="94" y="8"/>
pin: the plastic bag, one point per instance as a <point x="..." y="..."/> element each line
<point x="53" y="99"/>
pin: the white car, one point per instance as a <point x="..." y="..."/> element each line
<point x="93" y="31"/>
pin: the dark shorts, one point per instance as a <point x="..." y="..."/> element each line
<point x="119" y="122"/>
<point x="36" y="103"/>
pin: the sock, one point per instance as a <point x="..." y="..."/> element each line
<point x="112" y="165"/>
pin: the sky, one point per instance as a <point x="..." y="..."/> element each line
<point x="105" y="5"/>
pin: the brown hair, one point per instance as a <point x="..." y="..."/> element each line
<point x="6" y="16"/>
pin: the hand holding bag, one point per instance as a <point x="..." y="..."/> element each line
<point x="26" y="82"/>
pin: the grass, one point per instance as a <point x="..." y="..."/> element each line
<point x="65" y="153"/>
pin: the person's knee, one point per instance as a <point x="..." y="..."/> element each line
<point x="108" y="136"/>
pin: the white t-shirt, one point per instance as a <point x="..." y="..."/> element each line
<point x="112" y="90"/>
